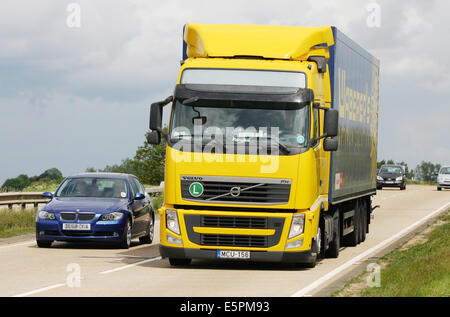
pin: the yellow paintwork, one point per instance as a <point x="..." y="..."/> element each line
<point x="269" y="41"/>
<point x="253" y="232"/>
<point x="289" y="47"/>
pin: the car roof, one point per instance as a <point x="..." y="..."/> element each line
<point x="102" y="175"/>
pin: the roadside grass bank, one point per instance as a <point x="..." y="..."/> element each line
<point x="17" y="222"/>
<point x="418" y="268"/>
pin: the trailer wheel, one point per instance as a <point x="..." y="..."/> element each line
<point x="363" y="228"/>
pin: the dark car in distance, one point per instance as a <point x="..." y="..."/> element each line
<point x="102" y="207"/>
<point x="391" y="176"/>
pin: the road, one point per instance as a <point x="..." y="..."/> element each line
<point x="26" y="270"/>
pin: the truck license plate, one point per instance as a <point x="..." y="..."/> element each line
<point x="224" y="254"/>
<point x="76" y="226"/>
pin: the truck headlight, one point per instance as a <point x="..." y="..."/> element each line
<point x="297" y="225"/>
<point x="113" y="216"/>
<point x="172" y="221"/>
<point x="44" y="215"/>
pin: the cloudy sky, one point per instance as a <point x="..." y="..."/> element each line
<point x="78" y="97"/>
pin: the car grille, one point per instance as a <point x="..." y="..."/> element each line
<point x="233" y="240"/>
<point x="72" y="216"/>
<point x="86" y="216"/>
<point x="238" y="190"/>
<point x="68" y="216"/>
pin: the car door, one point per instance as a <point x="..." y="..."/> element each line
<point x="139" y="208"/>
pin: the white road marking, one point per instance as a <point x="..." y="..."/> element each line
<point x="131" y="265"/>
<point x="306" y="290"/>
<point x="40" y="290"/>
<point x="17" y="244"/>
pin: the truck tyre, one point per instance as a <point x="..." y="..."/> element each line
<point x="333" y="247"/>
<point x="352" y="239"/>
<point x="179" y="262"/>
<point x="363" y="228"/>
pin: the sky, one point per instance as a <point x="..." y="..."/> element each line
<point x="77" y="77"/>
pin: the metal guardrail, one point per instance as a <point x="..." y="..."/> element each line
<point x="28" y="198"/>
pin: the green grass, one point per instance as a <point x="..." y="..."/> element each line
<point x="422" y="270"/>
<point x="17" y="222"/>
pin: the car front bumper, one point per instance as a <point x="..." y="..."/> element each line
<point x="52" y="230"/>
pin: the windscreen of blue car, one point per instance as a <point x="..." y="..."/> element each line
<point x="93" y="187"/>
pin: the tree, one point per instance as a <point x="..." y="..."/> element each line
<point x="18" y="183"/>
<point x="427" y="171"/>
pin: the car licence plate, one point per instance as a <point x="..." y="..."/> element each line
<point x="76" y="226"/>
<point x="227" y="254"/>
<point x="389" y="182"/>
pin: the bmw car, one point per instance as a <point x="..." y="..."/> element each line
<point x="102" y="207"/>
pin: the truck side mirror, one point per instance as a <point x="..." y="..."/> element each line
<point x="156" y="116"/>
<point x="154" y="137"/>
<point x="330" y="145"/>
<point x="331" y="122"/>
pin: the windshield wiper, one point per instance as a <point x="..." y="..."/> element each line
<point x="283" y="148"/>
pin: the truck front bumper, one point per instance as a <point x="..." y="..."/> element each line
<point x="255" y="256"/>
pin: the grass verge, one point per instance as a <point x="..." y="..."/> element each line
<point x="17" y="222"/>
<point x="419" y="268"/>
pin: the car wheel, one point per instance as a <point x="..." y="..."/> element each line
<point x="44" y="243"/>
<point x="148" y="238"/>
<point x="439" y="188"/>
<point x="126" y="236"/>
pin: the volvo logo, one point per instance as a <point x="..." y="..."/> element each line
<point x="235" y="191"/>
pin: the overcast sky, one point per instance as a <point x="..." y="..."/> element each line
<point x="78" y="97"/>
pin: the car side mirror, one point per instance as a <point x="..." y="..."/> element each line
<point x="331" y="122"/>
<point x="139" y="196"/>
<point x="330" y="145"/>
<point x="48" y="195"/>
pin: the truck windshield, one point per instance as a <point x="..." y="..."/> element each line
<point x="241" y="123"/>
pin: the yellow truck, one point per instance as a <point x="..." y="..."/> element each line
<point x="271" y="145"/>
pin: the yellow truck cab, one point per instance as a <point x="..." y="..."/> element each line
<point x="271" y="145"/>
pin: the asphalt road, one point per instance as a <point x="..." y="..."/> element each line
<point x="69" y="269"/>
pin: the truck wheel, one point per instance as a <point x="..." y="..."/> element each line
<point x="179" y="262"/>
<point x="333" y="247"/>
<point x="363" y="216"/>
<point x="352" y="239"/>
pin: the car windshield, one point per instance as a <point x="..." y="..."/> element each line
<point x="241" y="122"/>
<point x="392" y="169"/>
<point x="93" y="187"/>
<point x="445" y="170"/>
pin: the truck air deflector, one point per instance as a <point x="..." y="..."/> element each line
<point x="292" y="96"/>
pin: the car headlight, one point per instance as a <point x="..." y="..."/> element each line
<point x="113" y="216"/>
<point x="379" y="178"/>
<point x="172" y="221"/>
<point x="400" y="178"/>
<point x="297" y="225"/>
<point x="44" y="215"/>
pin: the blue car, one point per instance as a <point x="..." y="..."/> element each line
<point x="102" y="207"/>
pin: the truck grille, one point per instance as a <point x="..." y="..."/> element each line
<point x="237" y="190"/>
<point x="229" y="240"/>
<point x="234" y="222"/>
